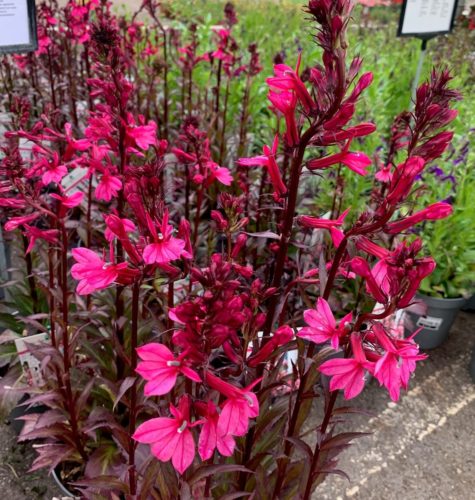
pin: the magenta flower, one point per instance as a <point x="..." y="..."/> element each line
<point x="403" y="178"/>
<point x="116" y="227"/>
<point x="93" y="271"/>
<point x="165" y="247"/>
<point x="268" y="160"/>
<point x="143" y="136"/>
<point x="33" y="234"/>
<point x="357" y="161"/>
<point x="16" y="222"/>
<point x="160" y="368"/>
<point x="108" y="187"/>
<point x="315" y="223"/>
<point x="394" y="368"/>
<point x="322" y="326"/>
<point x="171" y="438"/>
<point x="53" y="171"/>
<point x="384" y="173"/>
<point x="286" y="102"/>
<point x="240" y="406"/>
<point x="210" y="439"/>
<point x="286" y="79"/>
<point x="69" y="201"/>
<point x="439" y="210"/>
<point x="348" y="373"/>
<point x="283" y="335"/>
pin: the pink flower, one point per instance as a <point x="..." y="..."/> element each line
<point x="348" y="373"/>
<point x="358" y="162"/>
<point x="69" y="201"/>
<point x="403" y="178"/>
<point x="394" y="367"/>
<point x="268" y="160"/>
<point x="33" y="234"/>
<point x="283" y="335"/>
<point x="161" y="369"/>
<point x="118" y="227"/>
<point x="315" y="223"/>
<point x="171" y="438"/>
<point x="439" y="210"/>
<point x="322" y="326"/>
<point x="93" y="271"/>
<point x="240" y="406"/>
<point x="16" y="222"/>
<point x="53" y="172"/>
<point x="165" y="247"/>
<point x="222" y="174"/>
<point x="287" y="79"/>
<point x="108" y="187"/>
<point x="286" y="102"/>
<point x="210" y="439"/>
<point x="384" y="173"/>
<point x="143" y="136"/>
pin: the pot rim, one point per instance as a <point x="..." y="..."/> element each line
<point x="61" y="486"/>
<point x="442" y="303"/>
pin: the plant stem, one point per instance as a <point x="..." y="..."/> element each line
<point x="133" y="390"/>
<point x="29" y="275"/>
<point x="66" y="347"/>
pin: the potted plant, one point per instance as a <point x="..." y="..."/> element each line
<point x="175" y="283"/>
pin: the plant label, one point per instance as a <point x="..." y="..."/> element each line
<point x="30" y="365"/>
<point x="426" y="18"/>
<point x="18" y="26"/>
<point x="429" y="322"/>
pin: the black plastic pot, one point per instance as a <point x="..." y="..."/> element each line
<point x="471" y="367"/>
<point x="22" y="410"/>
<point x="470" y="305"/>
<point x="437" y="321"/>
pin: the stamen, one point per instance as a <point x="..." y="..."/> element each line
<point x="249" y="400"/>
<point x="182" y="427"/>
<point x="173" y="363"/>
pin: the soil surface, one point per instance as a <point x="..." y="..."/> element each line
<point x="422" y="448"/>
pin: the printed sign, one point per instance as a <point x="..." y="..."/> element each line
<point x="429" y="322"/>
<point x="29" y="364"/>
<point x="426" y="18"/>
<point x="18" y="26"/>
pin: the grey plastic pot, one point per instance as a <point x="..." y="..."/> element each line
<point x="437" y="321"/>
<point x="61" y="486"/>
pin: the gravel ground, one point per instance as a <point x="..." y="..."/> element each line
<point x="420" y="449"/>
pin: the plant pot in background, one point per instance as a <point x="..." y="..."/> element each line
<point x="470" y="305"/>
<point x="437" y="321"/>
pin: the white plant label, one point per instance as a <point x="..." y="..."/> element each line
<point x="429" y="322"/>
<point x="428" y="16"/>
<point x="14" y="23"/>
<point x="29" y="364"/>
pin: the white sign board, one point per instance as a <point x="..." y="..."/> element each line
<point x="426" y="17"/>
<point x="17" y="26"/>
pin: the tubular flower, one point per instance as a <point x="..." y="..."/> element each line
<point x="439" y="210"/>
<point x="395" y="366"/>
<point x="108" y="187"/>
<point x="93" y="271"/>
<point x="160" y="368"/>
<point x="170" y="438"/>
<point x="165" y="248"/>
<point x="315" y="223"/>
<point x="268" y="160"/>
<point x="286" y="79"/>
<point x="357" y="161"/>
<point x="286" y="102"/>
<point x="210" y="438"/>
<point x="348" y="373"/>
<point x="283" y="335"/>
<point x="33" y="234"/>
<point x="240" y="406"/>
<point x="322" y="326"/>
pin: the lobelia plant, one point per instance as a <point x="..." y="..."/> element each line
<point x="213" y="313"/>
